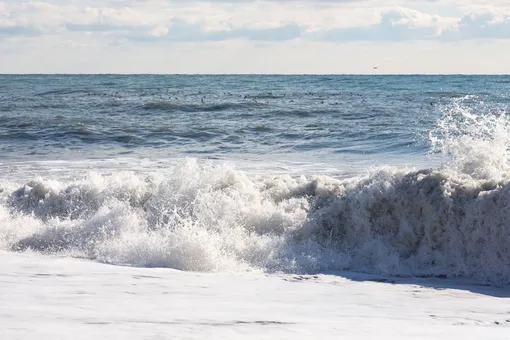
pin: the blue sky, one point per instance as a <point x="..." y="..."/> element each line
<point x="276" y="36"/>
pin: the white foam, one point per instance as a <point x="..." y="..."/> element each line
<point x="475" y="143"/>
<point x="209" y="216"/>
<point x="55" y="298"/>
<point x="216" y="218"/>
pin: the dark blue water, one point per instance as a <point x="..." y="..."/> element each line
<point x="335" y="118"/>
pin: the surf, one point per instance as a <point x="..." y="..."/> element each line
<point x="450" y="220"/>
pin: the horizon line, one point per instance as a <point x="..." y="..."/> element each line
<point x="255" y="74"/>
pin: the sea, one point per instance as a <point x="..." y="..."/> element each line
<point x="397" y="175"/>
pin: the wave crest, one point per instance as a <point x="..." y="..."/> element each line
<point x="473" y="139"/>
<point x="211" y="218"/>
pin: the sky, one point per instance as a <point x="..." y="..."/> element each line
<point x="271" y="36"/>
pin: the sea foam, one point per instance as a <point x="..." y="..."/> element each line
<point x="449" y="221"/>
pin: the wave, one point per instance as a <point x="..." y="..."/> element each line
<point x="64" y="91"/>
<point x="168" y="106"/>
<point x="299" y="112"/>
<point x="473" y="143"/>
<point x="451" y="221"/>
<point x="211" y="218"/>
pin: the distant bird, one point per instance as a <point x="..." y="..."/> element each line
<point x="375" y="67"/>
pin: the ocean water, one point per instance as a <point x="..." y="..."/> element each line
<point x="394" y="175"/>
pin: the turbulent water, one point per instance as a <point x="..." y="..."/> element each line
<point x="397" y="175"/>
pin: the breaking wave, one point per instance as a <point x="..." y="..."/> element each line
<point x="450" y="221"/>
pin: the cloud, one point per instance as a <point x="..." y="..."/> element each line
<point x="6" y="30"/>
<point x="484" y="24"/>
<point x="222" y="20"/>
<point x="397" y="24"/>
<point x="182" y="32"/>
<point x="30" y="18"/>
<point x="254" y="36"/>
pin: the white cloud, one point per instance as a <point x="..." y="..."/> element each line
<point x="485" y="24"/>
<point x="114" y="27"/>
<point x="271" y="20"/>
<point x="159" y="31"/>
<point x="396" y="24"/>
